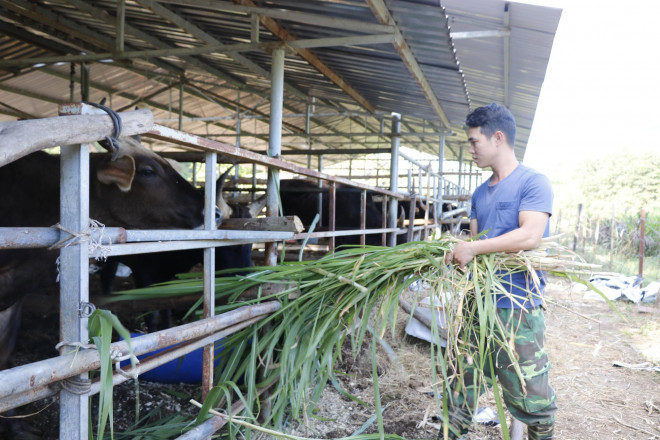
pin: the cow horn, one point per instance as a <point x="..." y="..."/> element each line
<point x="219" y="199"/>
<point x="255" y="207"/>
<point x="402" y="216"/>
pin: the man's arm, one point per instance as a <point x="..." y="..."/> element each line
<point x="527" y="236"/>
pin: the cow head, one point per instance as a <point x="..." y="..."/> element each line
<point x="141" y="190"/>
<point x="235" y="210"/>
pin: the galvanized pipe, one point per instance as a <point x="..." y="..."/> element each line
<point x="74" y="272"/>
<point x="192" y="141"/>
<point x="274" y="144"/>
<point x="394" y="173"/>
<point x="425" y="168"/>
<point x="148" y="364"/>
<point x="169" y="355"/>
<point x="343" y="233"/>
<point x="319" y="201"/>
<point x="149" y="247"/>
<point x="363" y="215"/>
<point x="209" y="266"/>
<point x="332" y="213"/>
<point x="441" y="161"/>
<point x="27" y="377"/>
<point x="21" y="238"/>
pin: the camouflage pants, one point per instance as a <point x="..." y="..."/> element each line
<point x="532" y="400"/>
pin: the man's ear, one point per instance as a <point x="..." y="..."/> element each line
<point x="120" y="172"/>
<point x="499" y="137"/>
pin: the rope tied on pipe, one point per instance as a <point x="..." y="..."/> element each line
<point x="110" y="143"/>
<point x="77" y="385"/>
<point x="95" y="246"/>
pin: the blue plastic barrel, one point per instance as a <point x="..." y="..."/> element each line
<point x="185" y="369"/>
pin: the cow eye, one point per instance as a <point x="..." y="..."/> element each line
<point x="147" y="172"/>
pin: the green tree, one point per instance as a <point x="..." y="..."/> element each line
<point x="627" y="180"/>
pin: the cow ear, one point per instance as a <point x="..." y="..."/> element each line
<point x="120" y="172"/>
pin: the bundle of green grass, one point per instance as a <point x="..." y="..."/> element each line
<point x="339" y="296"/>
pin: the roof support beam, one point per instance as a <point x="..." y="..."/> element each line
<point x="284" y="35"/>
<point x="80" y="32"/>
<point x="279" y="14"/>
<point x="506" y="32"/>
<point x="383" y="15"/>
<point x="211" y="48"/>
<point x="100" y="14"/>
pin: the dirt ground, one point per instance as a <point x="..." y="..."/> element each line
<point x="585" y="339"/>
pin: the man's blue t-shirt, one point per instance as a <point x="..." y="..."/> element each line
<point x="496" y="208"/>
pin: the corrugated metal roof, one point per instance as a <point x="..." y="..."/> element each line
<point x="353" y="87"/>
<point x="508" y="70"/>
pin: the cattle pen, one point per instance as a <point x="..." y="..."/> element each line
<point x="296" y="91"/>
<point x="67" y="375"/>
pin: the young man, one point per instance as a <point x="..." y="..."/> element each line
<point x="513" y="208"/>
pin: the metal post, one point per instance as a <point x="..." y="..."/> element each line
<point x="275" y="144"/>
<point x="320" y="196"/>
<point x="394" y="174"/>
<point x="363" y="214"/>
<point x="411" y="218"/>
<point x="72" y="81"/>
<point x="332" y="211"/>
<point x="84" y="82"/>
<point x="180" y="103"/>
<point x="238" y="119"/>
<point x="309" y="141"/>
<point x="209" y="268"/>
<point x="460" y="171"/>
<point x="120" y="24"/>
<point x="383" y="223"/>
<point x="254" y="182"/>
<point x="471" y="178"/>
<point x="74" y="277"/>
<point x="441" y="179"/>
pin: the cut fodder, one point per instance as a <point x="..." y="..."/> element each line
<point x="335" y="299"/>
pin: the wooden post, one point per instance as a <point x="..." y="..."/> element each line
<point x="642" y="228"/>
<point x="612" y="230"/>
<point x="577" y="227"/>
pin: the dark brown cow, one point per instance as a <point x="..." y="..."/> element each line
<point x="158" y="267"/>
<point x="138" y="190"/>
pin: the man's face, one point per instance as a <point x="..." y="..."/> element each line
<point x="482" y="148"/>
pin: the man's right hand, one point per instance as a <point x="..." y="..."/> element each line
<point x="462" y="254"/>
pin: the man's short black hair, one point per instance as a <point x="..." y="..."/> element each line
<point x="491" y="118"/>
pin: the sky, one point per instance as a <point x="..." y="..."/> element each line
<point x="602" y="85"/>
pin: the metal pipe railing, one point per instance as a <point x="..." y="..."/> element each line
<point x="27" y="378"/>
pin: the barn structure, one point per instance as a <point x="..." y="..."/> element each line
<point x="346" y="92"/>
